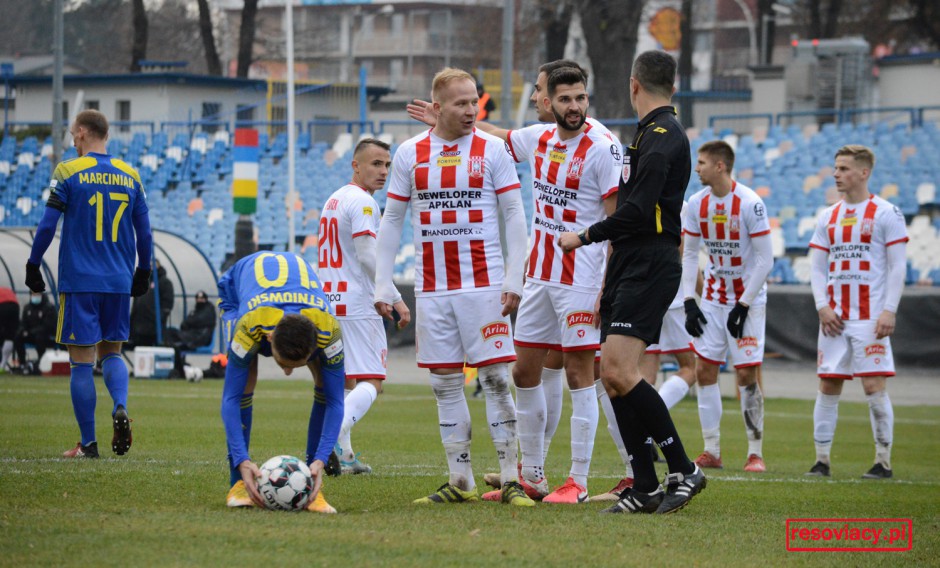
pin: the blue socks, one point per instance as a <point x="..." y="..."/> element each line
<point x="84" y="398"/>
<point x="247" y="406"/>
<point x="315" y="428"/>
<point x="115" y="378"/>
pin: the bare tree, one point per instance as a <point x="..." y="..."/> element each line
<point x="926" y="20"/>
<point x="208" y="38"/>
<point x="246" y="37"/>
<point x="610" y="30"/>
<point x="139" y="44"/>
<point x="555" y="18"/>
<point x="820" y="28"/>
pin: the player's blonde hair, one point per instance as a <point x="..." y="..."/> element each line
<point x="862" y="155"/>
<point x="445" y="77"/>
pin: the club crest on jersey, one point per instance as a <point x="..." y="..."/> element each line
<point x="625" y="172"/>
<point x="747" y="342"/>
<point x="575" y="168"/>
<point x="579" y="318"/>
<point x="735" y="223"/>
<point x="868" y="226"/>
<point x="494" y="329"/>
<point x="475" y="167"/>
<point x="874" y="349"/>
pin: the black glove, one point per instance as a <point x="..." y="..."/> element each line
<point x="34" y="279"/>
<point x="694" y="318"/>
<point x="736" y="320"/>
<point x="141" y="282"/>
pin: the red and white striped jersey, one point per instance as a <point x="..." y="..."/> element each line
<point x="349" y="213"/>
<point x="726" y="226"/>
<point x="570" y="180"/>
<point x="453" y="188"/>
<point x="856" y="237"/>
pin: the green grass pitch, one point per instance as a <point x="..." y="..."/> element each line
<point x="163" y="503"/>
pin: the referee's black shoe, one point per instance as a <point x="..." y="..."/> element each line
<point x="878" y="471"/>
<point x="633" y="501"/>
<point x="332" y="467"/>
<point x="680" y="488"/>
<point x="122" y="439"/>
<point x="819" y="469"/>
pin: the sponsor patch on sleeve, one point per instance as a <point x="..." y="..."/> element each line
<point x="332" y="349"/>
<point x="367" y="211"/>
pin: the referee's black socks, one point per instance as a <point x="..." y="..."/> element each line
<point x="653" y="419"/>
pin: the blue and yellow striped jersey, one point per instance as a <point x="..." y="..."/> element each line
<point x="100" y="195"/>
<point x="261" y="289"/>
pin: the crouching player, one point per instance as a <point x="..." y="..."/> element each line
<point x="272" y="304"/>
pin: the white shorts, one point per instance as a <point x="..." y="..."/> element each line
<point x="673" y="338"/>
<point x="715" y="342"/>
<point x="855" y="353"/>
<point x="556" y="318"/>
<point x="455" y="328"/>
<point x="365" y="348"/>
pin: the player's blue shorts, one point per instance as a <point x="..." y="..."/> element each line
<point x="86" y="318"/>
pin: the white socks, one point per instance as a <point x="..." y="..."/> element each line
<point x="583" y="428"/>
<point x="882" y="426"/>
<point x="7" y="354"/>
<point x="752" y="409"/>
<point x="454" y="421"/>
<point x="709" y="415"/>
<point x="358" y="401"/>
<point x="530" y="411"/>
<point x="825" y="416"/>
<point x="553" y="386"/>
<point x="613" y="427"/>
<point x="673" y="390"/>
<point x="501" y="418"/>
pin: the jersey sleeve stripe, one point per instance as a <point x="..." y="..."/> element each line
<point x="363" y="233"/>
<point x="512" y="151"/>
<point x="399" y="197"/>
<point x="610" y="192"/>
<point x="815" y="246"/>
<point x="693" y="234"/>
<point x="508" y="188"/>
<point x="904" y="240"/>
<point x="760" y="234"/>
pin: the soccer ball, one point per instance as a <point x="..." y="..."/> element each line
<point x="285" y="484"/>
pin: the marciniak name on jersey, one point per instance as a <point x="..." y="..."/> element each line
<point x="285" y="298"/>
<point x="104" y="178"/>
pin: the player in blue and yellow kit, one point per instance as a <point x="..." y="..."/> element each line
<point x="106" y="224"/>
<point x="272" y="304"/>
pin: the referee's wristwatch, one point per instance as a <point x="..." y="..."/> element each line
<point x="583" y="236"/>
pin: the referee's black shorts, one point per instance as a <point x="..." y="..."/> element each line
<point x="640" y="284"/>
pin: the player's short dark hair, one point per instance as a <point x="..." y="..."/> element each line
<point x="93" y="121"/>
<point x="861" y="154"/>
<point x="656" y="72"/>
<point x="547" y="68"/>
<point x="371" y="142"/>
<point x="564" y="76"/>
<point x="295" y="337"/>
<point x="720" y="150"/>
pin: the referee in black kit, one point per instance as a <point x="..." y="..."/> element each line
<point x="642" y="279"/>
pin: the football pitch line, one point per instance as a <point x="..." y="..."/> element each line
<point x="428" y="470"/>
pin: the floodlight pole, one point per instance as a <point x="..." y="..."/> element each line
<point x="291" y="135"/>
<point x="506" y="83"/>
<point x="57" y="56"/>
